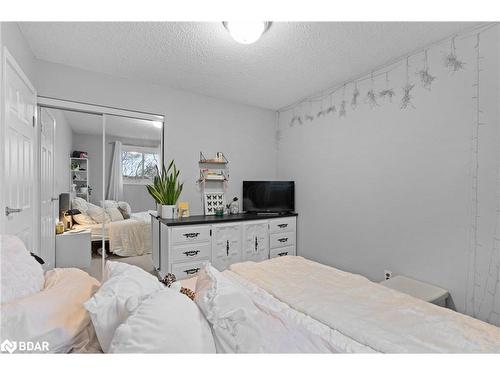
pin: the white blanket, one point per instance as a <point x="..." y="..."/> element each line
<point x="373" y="315"/>
<point x="130" y="237"/>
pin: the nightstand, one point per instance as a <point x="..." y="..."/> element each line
<point x="418" y="289"/>
<point x="73" y="249"/>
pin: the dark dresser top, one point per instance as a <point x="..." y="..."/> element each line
<point x="210" y="219"/>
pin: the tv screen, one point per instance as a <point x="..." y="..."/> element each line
<point x="268" y="196"/>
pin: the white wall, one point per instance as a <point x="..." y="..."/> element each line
<point x="390" y="189"/>
<point x="194" y="123"/>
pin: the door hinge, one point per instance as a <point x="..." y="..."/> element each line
<point x="210" y="232"/>
<point x="34" y="121"/>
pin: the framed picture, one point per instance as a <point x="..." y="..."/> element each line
<point x="214" y="200"/>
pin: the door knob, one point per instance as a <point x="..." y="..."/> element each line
<point x="9" y="210"/>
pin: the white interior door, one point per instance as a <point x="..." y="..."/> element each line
<point x="19" y="143"/>
<point x="48" y="198"/>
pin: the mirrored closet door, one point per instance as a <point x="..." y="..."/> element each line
<point x="94" y="176"/>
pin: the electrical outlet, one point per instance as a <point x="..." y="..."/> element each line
<point x="387" y="274"/>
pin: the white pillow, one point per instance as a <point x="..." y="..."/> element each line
<point x="99" y="215"/>
<point x="83" y="219"/>
<point x="114" y="214"/>
<point x="55" y="314"/>
<point x="79" y="204"/>
<point x="22" y="275"/>
<point x="109" y="203"/>
<point x="167" y="322"/>
<point x="126" y="286"/>
<point x="231" y="313"/>
<point x="125" y="206"/>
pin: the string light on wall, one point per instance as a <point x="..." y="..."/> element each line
<point x="406" y="100"/>
<point x="451" y="61"/>
<point x="388" y="92"/>
<point x="426" y="78"/>
<point x="371" y="98"/>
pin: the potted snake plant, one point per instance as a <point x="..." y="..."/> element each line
<point x="166" y="190"/>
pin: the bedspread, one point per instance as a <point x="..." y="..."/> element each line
<point x="369" y="313"/>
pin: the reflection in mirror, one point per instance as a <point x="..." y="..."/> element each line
<point x="133" y="153"/>
<point x="102" y="165"/>
<point x="78" y="168"/>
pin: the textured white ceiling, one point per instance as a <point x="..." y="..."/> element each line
<point x="290" y="61"/>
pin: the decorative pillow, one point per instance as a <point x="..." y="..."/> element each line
<point x="108" y="204"/>
<point x="167" y="322"/>
<point x="114" y="213"/>
<point x="99" y="215"/>
<point x="124" y="213"/>
<point x="80" y="204"/>
<point x="233" y="316"/>
<point x="170" y="281"/>
<point x="83" y="219"/>
<point x="125" y="207"/>
<point x="126" y="286"/>
<point x="22" y="275"/>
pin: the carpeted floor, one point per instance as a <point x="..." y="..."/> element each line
<point x="143" y="261"/>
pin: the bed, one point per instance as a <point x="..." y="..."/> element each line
<point x="281" y="305"/>
<point x="125" y="237"/>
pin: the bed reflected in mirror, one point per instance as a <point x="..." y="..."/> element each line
<point x="132" y="159"/>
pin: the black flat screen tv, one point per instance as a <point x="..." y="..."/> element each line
<point x="268" y="196"/>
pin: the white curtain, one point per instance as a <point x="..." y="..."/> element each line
<point x="115" y="187"/>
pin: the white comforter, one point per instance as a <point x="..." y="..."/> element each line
<point x="130" y="237"/>
<point x="370" y="314"/>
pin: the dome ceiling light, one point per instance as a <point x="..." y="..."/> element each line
<point x="246" y="32"/>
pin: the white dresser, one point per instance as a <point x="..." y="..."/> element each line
<point x="181" y="246"/>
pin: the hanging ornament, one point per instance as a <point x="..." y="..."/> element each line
<point x="451" y="61"/>
<point x="331" y="109"/>
<point x="426" y="78"/>
<point x="371" y="98"/>
<point x="387" y="93"/>
<point x="309" y="116"/>
<point x="355" y="95"/>
<point x="321" y="111"/>
<point x="294" y="118"/>
<point x="342" y="109"/>
<point x="406" y="100"/>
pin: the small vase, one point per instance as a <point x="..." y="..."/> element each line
<point x="168" y="211"/>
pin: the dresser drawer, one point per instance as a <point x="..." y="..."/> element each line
<point x="195" y="251"/>
<point x="281" y="239"/>
<point x="287" y="224"/>
<point x="283" y="251"/>
<point x="188" y="269"/>
<point x="189" y="234"/>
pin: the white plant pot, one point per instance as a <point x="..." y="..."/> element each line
<point x="168" y="211"/>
